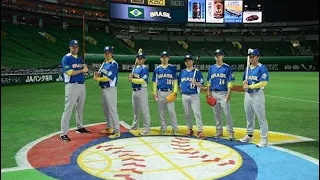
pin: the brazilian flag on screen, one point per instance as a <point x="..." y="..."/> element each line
<point x="136" y="13"/>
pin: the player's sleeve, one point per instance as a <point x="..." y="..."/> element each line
<point x="264" y="75"/>
<point x="66" y="65"/>
<point x="230" y="75"/>
<point x="113" y="71"/>
<point x="145" y="74"/>
<point x="154" y="75"/>
<point x="200" y="78"/>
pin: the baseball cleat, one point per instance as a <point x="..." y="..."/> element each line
<point x="115" y="135"/>
<point x="231" y="138"/>
<point x="200" y="135"/>
<point x="262" y="144"/>
<point x="107" y="131"/>
<point x="83" y="131"/>
<point x="190" y="133"/>
<point x="133" y="128"/>
<point x="175" y="133"/>
<point x="246" y="139"/>
<point x="144" y="133"/>
<point x="65" y="138"/>
<point x="218" y="135"/>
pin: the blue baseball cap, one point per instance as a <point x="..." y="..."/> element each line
<point x="253" y="52"/>
<point x="141" y="55"/>
<point x="164" y="53"/>
<point x="188" y="56"/>
<point x="219" y="52"/>
<point x="74" y="43"/>
<point x="108" y="49"/>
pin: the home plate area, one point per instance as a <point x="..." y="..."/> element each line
<point x="155" y="157"/>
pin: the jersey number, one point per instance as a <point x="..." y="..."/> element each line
<point x="221" y="82"/>
<point x="169" y="81"/>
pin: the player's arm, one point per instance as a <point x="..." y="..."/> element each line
<point x="175" y="81"/>
<point x="144" y="79"/>
<point x="67" y="67"/>
<point x="230" y="79"/>
<point x="199" y="78"/>
<point x="108" y="75"/>
<point x="154" y="85"/>
<point x="264" y="78"/>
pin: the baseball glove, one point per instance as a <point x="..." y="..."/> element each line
<point x="171" y="97"/>
<point x="211" y="101"/>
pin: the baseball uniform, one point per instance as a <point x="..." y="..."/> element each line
<point x="190" y="95"/>
<point x="164" y="79"/>
<point x="75" y="92"/>
<point x="108" y="81"/>
<point x="140" y="96"/>
<point x="220" y="78"/>
<point x="254" y="100"/>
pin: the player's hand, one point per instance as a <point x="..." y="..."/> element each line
<point x="130" y="77"/>
<point x="155" y="97"/>
<point x="97" y="74"/>
<point x="245" y="82"/>
<point x="246" y="86"/>
<point x="95" y="77"/>
<point x="228" y="97"/>
<point x="85" y="69"/>
<point x="193" y="82"/>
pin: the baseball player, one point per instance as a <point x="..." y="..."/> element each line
<point x="190" y="81"/>
<point x="165" y="83"/>
<point x="254" y="101"/>
<point x="107" y="76"/>
<point x="139" y="80"/>
<point x="75" y="89"/>
<point x="220" y="81"/>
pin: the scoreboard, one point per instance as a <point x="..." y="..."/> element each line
<point x="183" y="11"/>
<point x="161" y="3"/>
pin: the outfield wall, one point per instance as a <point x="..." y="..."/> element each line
<point x="16" y="79"/>
<point x="281" y="63"/>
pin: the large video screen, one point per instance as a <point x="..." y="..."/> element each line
<point x="252" y="17"/>
<point x="196" y="11"/>
<point x="148" y="13"/>
<point x="214" y="11"/>
<point x="233" y="11"/>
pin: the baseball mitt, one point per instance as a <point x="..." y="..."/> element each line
<point x="211" y="101"/>
<point x="171" y="97"/>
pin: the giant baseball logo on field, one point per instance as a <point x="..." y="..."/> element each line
<point x="133" y="157"/>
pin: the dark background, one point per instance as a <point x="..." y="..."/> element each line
<point x="287" y="11"/>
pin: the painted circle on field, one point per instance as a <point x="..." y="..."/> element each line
<point x="159" y="158"/>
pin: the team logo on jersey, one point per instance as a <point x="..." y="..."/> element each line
<point x="77" y="65"/>
<point x="164" y="76"/>
<point x="255" y="78"/>
<point x="137" y="13"/>
<point x="221" y="75"/>
<point x="264" y="75"/>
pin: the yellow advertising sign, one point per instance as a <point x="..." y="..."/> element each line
<point x="157" y="2"/>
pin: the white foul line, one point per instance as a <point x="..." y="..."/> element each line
<point x="293" y="99"/>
